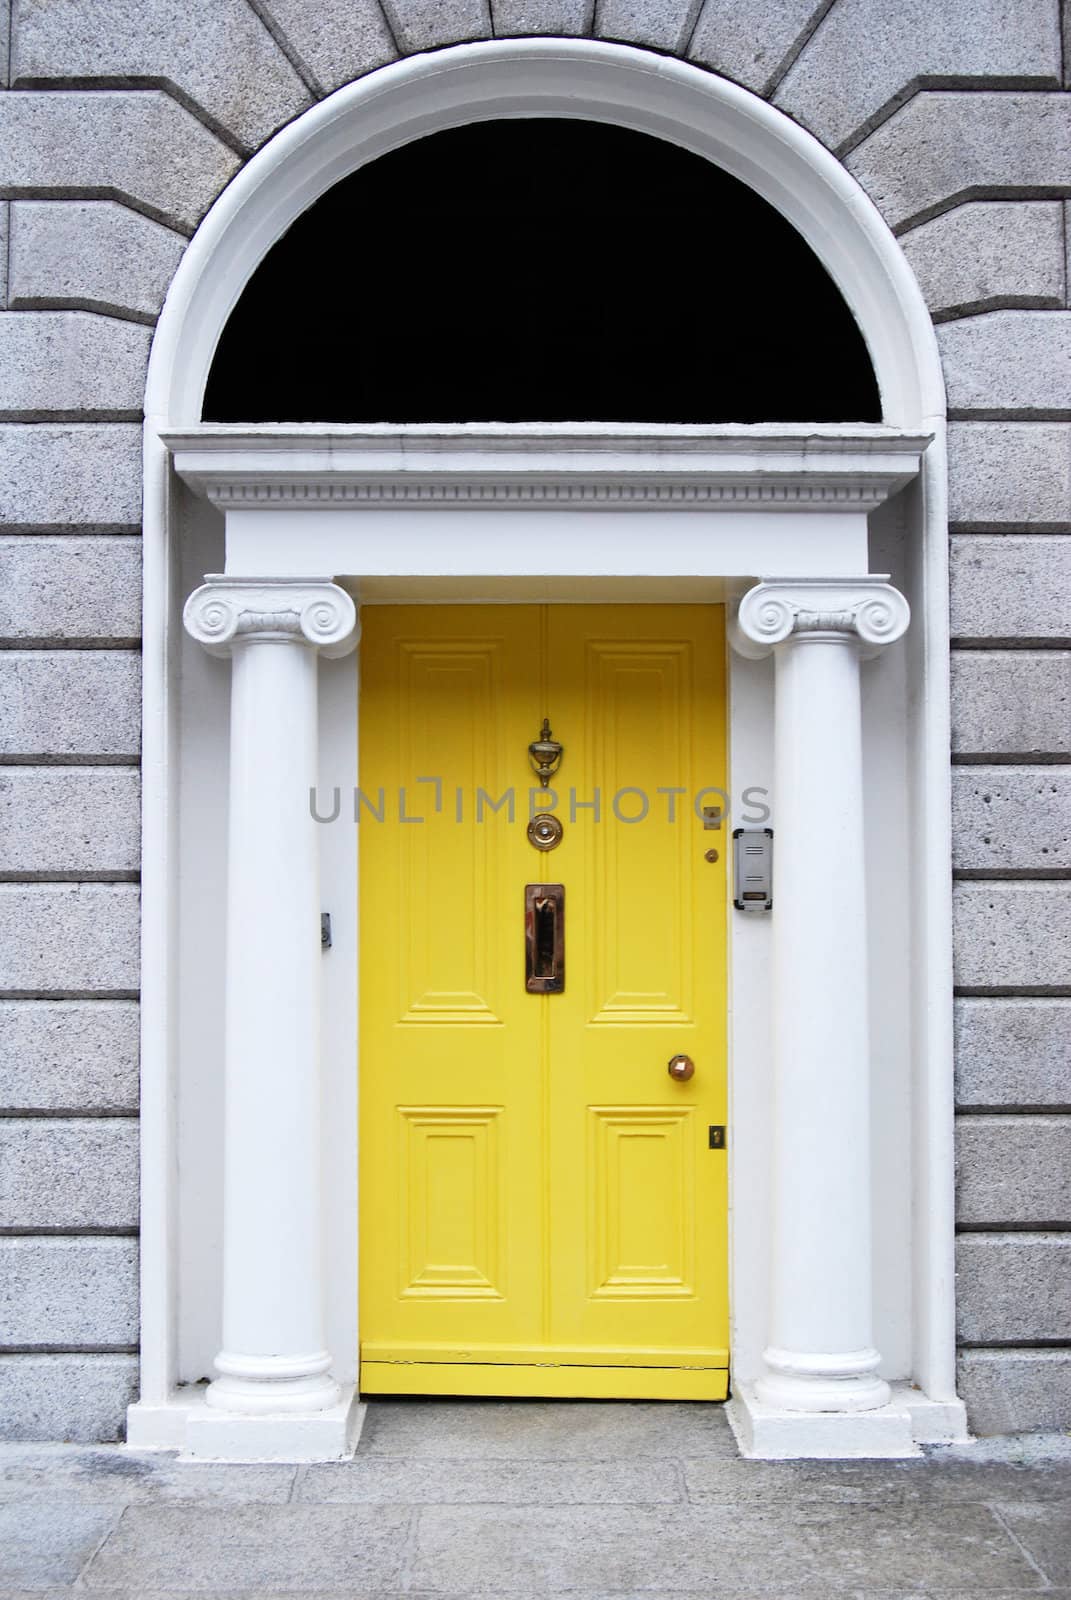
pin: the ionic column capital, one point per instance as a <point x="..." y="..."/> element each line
<point x="867" y="609"/>
<point x="226" y="612"/>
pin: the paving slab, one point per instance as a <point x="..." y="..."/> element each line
<point x="48" y="1542"/>
<point x="706" y="1593"/>
<point x="1045" y="1537"/>
<point x="984" y="1520"/>
<point x="388" y="1480"/>
<point x="531" y="1429"/>
<point x="204" y="1549"/>
<point x="816" y="1548"/>
<point x="932" y="1480"/>
<point x="111" y="1475"/>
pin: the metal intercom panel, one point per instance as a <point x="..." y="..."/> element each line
<point x="753" y="869"/>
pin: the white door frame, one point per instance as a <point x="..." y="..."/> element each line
<point x="748" y="138"/>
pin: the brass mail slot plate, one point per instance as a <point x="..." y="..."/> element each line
<point x="544" y="938"/>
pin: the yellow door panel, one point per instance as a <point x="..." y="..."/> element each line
<point x="451" y="1104"/>
<point x="540" y="1206"/>
<point x="638" y="1199"/>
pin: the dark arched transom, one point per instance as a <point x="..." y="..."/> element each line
<point x="541" y="270"/>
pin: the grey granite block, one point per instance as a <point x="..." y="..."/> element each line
<point x="665" y="24"/>
<point x="70" y="478"/>
<point x="254" y="1547"/>
<point x="69" y="703"/>
<point x="1012" y="935"/>
<point x="59" y="1292"/>
<point x="106" y="1475"/>
<point x="752" y="44"/>
<point x="511" y="1430"/>
<point x="1011" y="819"/>
<point x="518" y="17"/>
<point x="1013" y="1171"/>
<point x="68" y="589"/>
<point x="943" y="147"/>
<point x="79" y="1397"/>
<point x="1012" y="1288"/>
<point x="5" y="234"/>
<point x="1008" y="361"/>
<point x="793" y="1549"/>
<point x="69" y="1055"/>
<point x="868" y="56"/>
<point x="215" y="54"/>
<point x="1013" y="1052"/>
<point x="90" y="254"/>
<point x="138" y="145"/>
<point x="1007" y="588"/>
<point x="68" y="938"/>
<point x="426" y="24"/>
<point x="335" y="40"/>
<point x="70" y="1173"/>
<point x="1014" y="475"/>
<point x="988" y="254"/>
<point x="49" y="1543"/>
<point x="69" y="821"/>
<point x="59" y="365"/>
<point x="1012" y="1391"/>
<point x="1011" y="703"/>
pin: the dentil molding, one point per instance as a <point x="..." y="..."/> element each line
<point x="738" y="467"/>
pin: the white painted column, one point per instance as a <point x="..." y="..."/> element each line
<point x="820" y="1355"/>
<point x="274" y="1358"/>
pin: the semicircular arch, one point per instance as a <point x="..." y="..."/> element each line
<point x="632" y="88"/>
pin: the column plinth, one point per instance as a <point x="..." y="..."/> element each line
<point x="274" y="1357"/>
<point x="820" y="1355"/>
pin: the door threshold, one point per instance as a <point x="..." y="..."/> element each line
<point x="514" y="1380"/>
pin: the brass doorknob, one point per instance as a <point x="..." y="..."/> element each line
<point x="681" y="1068"/>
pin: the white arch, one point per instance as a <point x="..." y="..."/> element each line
<point x="789" y="168"/>
<point x="561" y="78"/>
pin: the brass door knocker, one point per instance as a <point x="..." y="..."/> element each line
<point x="545" y="754"/>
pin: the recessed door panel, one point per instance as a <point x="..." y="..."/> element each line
<point x="452" y="1229"/>
<point x="450" y="707"/>
<point x="638" y="1154"/>
<point x="541" y="1212"/>
<point x="639" y="710"/>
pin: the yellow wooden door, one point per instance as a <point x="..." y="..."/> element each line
<point x="542" y="1210"/>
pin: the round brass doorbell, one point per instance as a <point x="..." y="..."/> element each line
<point x="681" y="1068"/>
<point x="545" y="831"/>
<point x="710" y="855"/>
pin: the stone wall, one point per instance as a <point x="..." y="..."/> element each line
<point x="117" y="130"/>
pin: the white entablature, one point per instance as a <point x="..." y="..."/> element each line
<point x="669" y="501"/>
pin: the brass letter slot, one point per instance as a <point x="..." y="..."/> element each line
<point x="544" y="938"/>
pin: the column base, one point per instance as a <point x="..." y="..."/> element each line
<point x="268" y="1396"/>
<point x="806" y="1381"/>
<point x="200" y="1433"/>
<point x="892" y="1431"/>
